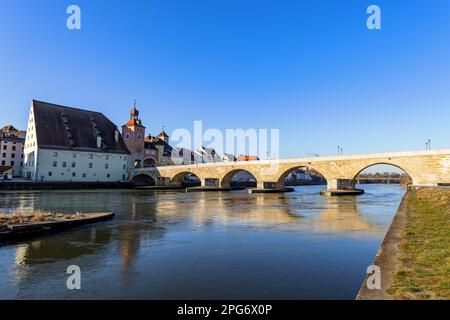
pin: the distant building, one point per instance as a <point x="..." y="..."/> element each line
<point x="227" y="157"/>
<point x="151" y="153"/>
<point x="68" y="144"/>
<point x="299" y="175"/>
<point x="246" y="158"/>
<point x="206" y="155"/>
<point x="11" y="149"/>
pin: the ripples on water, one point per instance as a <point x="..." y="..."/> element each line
<point x="171" y="245"/>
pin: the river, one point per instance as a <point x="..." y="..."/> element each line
<point x="173" y="245"/>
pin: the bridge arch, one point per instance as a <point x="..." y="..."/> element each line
<point x="225" y="182"/>
<point x="149" y="162"/>
<point x="281" y="181"/>
<point x="143" y="180"/>
<point x="185" y="177"/>
<point x="383" y="163"/>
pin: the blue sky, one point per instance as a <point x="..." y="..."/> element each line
<point x="310" y="68"/>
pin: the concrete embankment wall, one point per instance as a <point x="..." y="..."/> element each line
<point x="387" y="257"/>
<point x="64" y="185"/>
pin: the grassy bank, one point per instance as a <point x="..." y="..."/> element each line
<point x="424" y="266"/>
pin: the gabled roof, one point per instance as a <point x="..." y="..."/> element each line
<point x="160" y="142"/>
<point x="8" y="127"/>
<point x="163" y="134"/>
<point x="61" y="127"/>
<point x="149" y="145"/>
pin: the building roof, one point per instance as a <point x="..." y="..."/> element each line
<point x="61" y="127"/>
<point x="149" y="145"/>
<point x="167" y="151"/>
<point x="8" y="127"/>
<point x="11" y="132"/>
<point x="134" y="118"/>
<point x="163" y="134"/>
<point x="246" y="158"/>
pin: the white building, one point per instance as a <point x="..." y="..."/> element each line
<point x="11" y="149"/>
<point x="68" y="144"/>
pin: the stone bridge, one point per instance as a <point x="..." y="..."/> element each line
<point x="426" y="168"/>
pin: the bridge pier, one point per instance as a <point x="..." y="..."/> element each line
<point x="208" y="184"/>
<point x="162" y="182"/>
<point x="270" y="187"/>
<point x="341" y="187"/>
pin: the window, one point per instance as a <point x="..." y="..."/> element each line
<point x="12" y="163"/>
<point x="73" y="164"/>
<point x="3" y="162"/>
<point x="106" y="166"/>
<point x="74" y="174"/>
<point x="84" y="175"/>
<point x="4" y="155"/>
<point x="90" y="165"/>
<point x="55" y="154"/>
<point x="124" y="166"/>
<point x="55" y="164"/>
<point x="50" y="173"/>
<point x="64" y="164"/>
<point x="108" y="175"/>
<point x="13" y="148"/>
<point x="5" y="147"/>
<point x="13" y="155"/>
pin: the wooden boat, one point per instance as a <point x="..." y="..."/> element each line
<point x="14" y="232"/>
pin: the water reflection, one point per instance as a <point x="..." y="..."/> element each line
<point x="343" y="215"/>
<point x="162" y="235"/>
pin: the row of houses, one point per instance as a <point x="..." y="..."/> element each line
<point x="69" y="144"/>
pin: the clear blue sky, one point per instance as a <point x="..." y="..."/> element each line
<point x="310" y="68"/>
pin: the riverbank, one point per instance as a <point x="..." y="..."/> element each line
<point x="32" y="185"/>
<point x="414" y="257"/>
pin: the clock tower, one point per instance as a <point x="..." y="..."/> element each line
<point x="133" y="133"/>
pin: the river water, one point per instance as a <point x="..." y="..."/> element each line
<point x="173" y="245"/>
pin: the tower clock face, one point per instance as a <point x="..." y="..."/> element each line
<point x="127" y="136"/>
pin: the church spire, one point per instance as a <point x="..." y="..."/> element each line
<point x="134" y="113"/>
